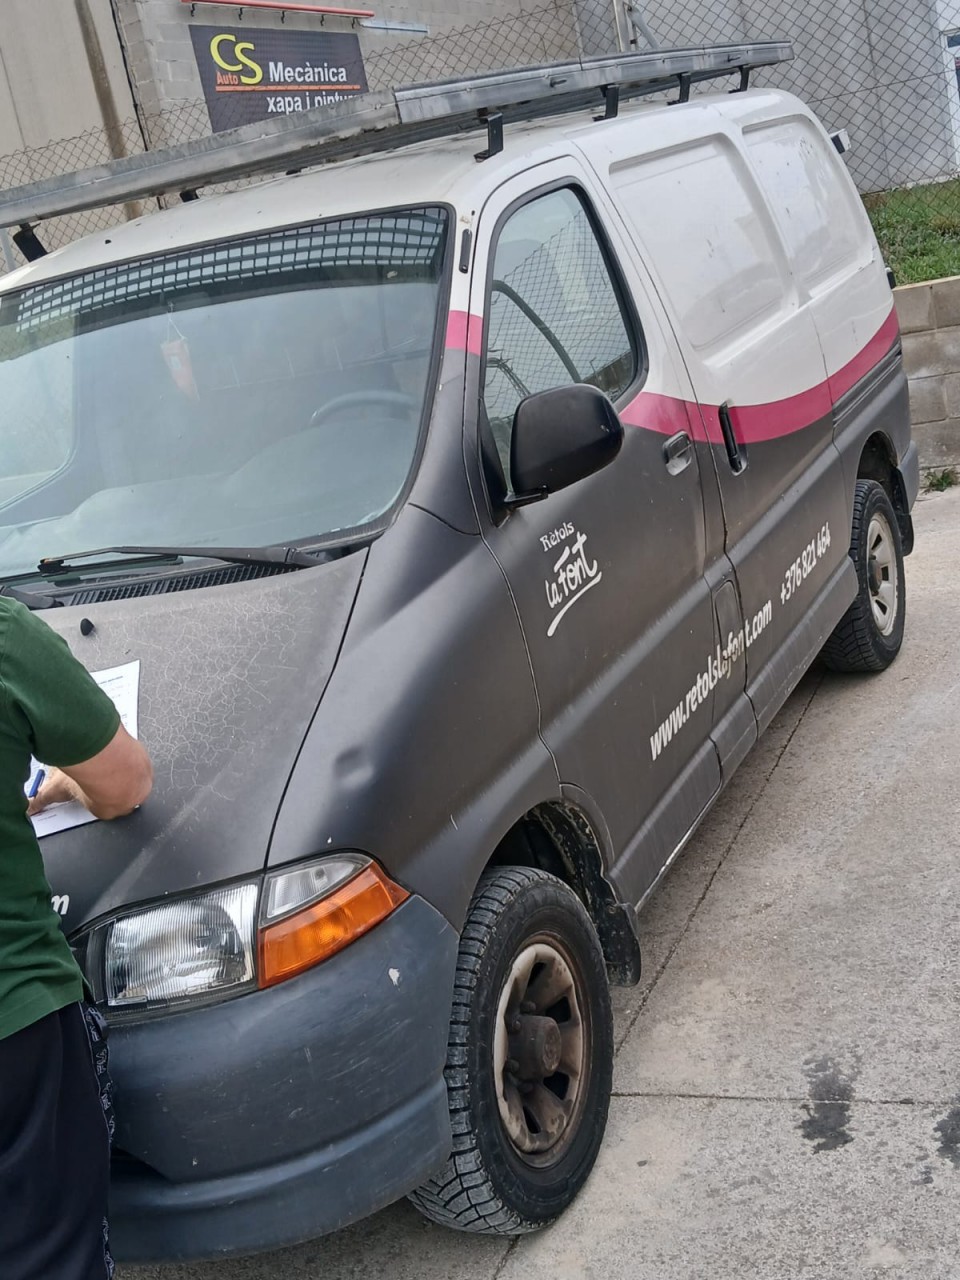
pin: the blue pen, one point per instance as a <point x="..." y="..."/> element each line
<point x="37" y="784"/>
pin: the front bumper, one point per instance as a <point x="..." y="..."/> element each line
<point x="286" y="1113"/>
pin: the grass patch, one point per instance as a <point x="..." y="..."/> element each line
<point x="919" y="230"/>
<point x="938" y="481"/>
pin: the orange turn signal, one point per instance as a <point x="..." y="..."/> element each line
<point x="317" y="932"/>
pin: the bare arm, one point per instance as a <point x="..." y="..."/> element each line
<point x="109" y="784"/>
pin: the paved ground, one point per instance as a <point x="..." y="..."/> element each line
<point x="788" y="1078"/>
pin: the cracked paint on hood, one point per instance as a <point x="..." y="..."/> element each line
<point x="230" y="679"/>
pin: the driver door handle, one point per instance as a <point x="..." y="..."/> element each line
<point x="678" y="453"/>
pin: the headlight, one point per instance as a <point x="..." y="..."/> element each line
<point x="212" y="945"/>
<point x="183" y="949"/>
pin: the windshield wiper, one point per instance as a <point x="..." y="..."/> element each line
<point x="53" y="566"/>
<point x="32" y="599"/>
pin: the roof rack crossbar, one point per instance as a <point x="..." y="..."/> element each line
<point x="494" y="122"/>
<point x="385" y="120"/>
<point x="683" y="83"/>
<point x="611" y="99"/>
<point x="744" y="84"/>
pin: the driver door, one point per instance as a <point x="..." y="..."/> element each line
<point x="608" y="574"/>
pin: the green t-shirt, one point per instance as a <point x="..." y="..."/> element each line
<point x="52" y="708"/>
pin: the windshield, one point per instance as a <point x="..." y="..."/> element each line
<point x="258" y="391"/>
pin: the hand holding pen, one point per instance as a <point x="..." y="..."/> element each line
<point x="50" y="786"/>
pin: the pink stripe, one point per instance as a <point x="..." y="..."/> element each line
<point x="664" y="414"/>
<point x="872" y="354"/>
<point x="752" y="422"/>
<point x="465" y="333"/>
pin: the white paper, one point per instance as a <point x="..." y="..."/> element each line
<point x="122" y="685"/>
<point x="60" y="817"/>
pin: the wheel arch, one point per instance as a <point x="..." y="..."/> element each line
<point x="557" y="837"/>
<point x="878" y="461"/>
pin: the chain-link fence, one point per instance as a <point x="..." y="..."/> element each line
<point x="541" y="35"/>
<point x="886" y="72"/>
<point x="542" y="327"/>
<point x="883" y="71"/>
<point x="63" y="156"/>
<point x="560" y="29"/>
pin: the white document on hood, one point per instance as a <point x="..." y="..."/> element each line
<point x="122" y="685"/>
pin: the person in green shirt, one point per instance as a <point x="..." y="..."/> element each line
<point x="54" y="1144"/>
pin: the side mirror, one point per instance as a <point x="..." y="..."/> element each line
<point x="559" y="437"/>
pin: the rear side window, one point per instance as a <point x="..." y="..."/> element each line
<point x="554" y="316"/>
<point x="812" y="206"/>
<point x="695" y="212"/>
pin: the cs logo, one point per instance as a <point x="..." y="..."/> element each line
<point x="230" y="53"/>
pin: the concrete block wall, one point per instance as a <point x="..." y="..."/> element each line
<point x="930" y="323"/>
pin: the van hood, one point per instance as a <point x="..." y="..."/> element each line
<point x="230" y="678"/>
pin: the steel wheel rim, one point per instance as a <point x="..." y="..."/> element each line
<point x="882" y="577"/>
<point x="539" y="1108"/>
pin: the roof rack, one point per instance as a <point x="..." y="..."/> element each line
<point x="385" y="120"/>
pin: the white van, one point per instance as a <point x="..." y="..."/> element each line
<point x="468" y="522"/>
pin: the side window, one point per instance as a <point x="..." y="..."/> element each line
<point x="815" y="209"/>
<point x="703" y="228"/>
<point x="553" y="313"/>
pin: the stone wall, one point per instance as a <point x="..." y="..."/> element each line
<point x="930" y="323"/>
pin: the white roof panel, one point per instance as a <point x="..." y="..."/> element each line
<point x="442" y="171"/>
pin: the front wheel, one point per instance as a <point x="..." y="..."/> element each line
<point x="530" y="1058"/>
<point x="869" y="635"/>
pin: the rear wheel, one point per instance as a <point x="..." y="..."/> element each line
<point x="530" y="1058"/>
<point x="869" y="635"/>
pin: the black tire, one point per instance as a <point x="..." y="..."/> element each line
<point x="488" y="1185"/>
<point x="859" y="642"/>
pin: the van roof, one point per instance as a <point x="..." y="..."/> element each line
<point x="442" y="171"/>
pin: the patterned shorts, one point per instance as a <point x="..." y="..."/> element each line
<point x="56" y="1121"/>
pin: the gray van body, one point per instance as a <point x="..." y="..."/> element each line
<point x="418" y="698"/>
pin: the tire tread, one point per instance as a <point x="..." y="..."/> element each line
<point x="852" y="646"/>
<point x="462" y="1195"/>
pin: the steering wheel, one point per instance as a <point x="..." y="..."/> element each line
<point x="385" y="399"/>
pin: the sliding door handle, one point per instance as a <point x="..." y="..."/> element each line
<point x="737" y="457"/>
